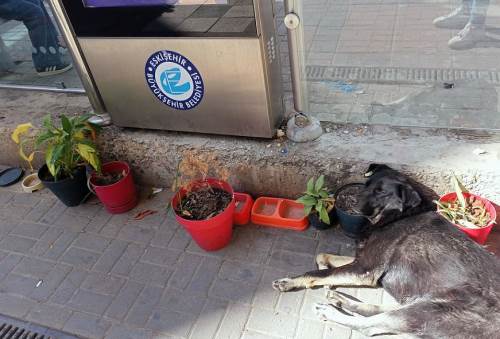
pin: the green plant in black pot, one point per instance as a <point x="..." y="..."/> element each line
<point x="68" y="148"/>
<point x="318" y="203"/>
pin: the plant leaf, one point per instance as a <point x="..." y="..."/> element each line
<point x="43" y="138"/>
<point x="323" y="215"/>
<point x="48" y="160"/>
<point x="90" y="155"/>
<point x="307" y="200"/>
<point x="457" y="186"/>
<point x="319" y="206"/>
<point x="323" y="194"/>
<point x="20" y="129"/>
<point x="307" y="210"/>
<point x="66" y="124"/>
<point x="310" y="186"/>
<point x="319" y="183"/>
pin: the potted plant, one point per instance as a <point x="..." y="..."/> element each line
<point x="353" y="223"/>
<point x="68" y="147"/>
<point x="114" y="186"/>
<point x="472" y="214"/>
<point x="318" y="203"/>
<point x="204" y="207"/>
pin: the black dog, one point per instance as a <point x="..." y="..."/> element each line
<point x="447" y="285"/>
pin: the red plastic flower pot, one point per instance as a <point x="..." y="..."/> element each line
<point x="479" y="235"/>
<point x="214" y="233"/>
<point x="243" y="208"/>
<point x="121" y="196"/>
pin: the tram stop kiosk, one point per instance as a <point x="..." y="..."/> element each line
<point x="209" y="66"/>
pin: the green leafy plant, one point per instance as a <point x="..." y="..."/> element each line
<point x="466" y="212"/>
<point x="66" y="146"/>
<point x="317" y="199"/>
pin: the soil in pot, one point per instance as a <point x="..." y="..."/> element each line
<point x="110" y="178"/>
<point x="348" y="199"/>
<point x="203" y="203"/>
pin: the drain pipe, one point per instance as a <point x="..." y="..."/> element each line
<point x="300" y="127"/>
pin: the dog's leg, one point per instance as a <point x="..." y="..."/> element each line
<point x="349" y="303"/>
<point x="383" y="323"/>
<point x="348" y="275"/>
<point x="324" y="260"/>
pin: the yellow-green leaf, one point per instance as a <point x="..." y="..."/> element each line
<point x="90" y="155"/>
<point x="48" y="160"/>
<point x="20" y="129"/>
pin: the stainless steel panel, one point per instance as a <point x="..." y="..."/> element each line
<point x="235" y="100"/>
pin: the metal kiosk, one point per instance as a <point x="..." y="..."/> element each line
<point x="209" y="66"/>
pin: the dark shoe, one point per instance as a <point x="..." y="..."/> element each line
<point x="54" y="69"/>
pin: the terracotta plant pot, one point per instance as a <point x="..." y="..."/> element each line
<point x="214" y="233"/>
<point x="120" y="196"/>
<point x="479" y="235"/>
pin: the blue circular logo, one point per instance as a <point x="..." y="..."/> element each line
<point x="174" y="80"/>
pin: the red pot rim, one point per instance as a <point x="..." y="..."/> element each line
<point x="211" y="182"/>
<point x="94" y="173"/>
<point x="487" y="204"/>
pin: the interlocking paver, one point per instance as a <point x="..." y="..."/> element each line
<point x="57" y="248"/>
<point x="110" y="256"/>
<point x="186" y="268"/>
<point x="17" y="244"/>
<point x="275" y="323"/>
<point x="175" y="323"/>
<point x="100" y="282"/>
<point x="29" y="230"/>
<point x="53" y="316"/>
<point x="128" y="259"/>
<point x="124" y="332"/>
<point x="149" y="273"/>
<point x="142" y="309"/>
<point x="234" y="321"/>
<point x="87" y="325"/>
<point x="15" y="306"/>
<point x="80" y="258"/>
<point x="175" y="300"/>
<point x="90" y="302"/>
<point x="91" y="242"/>
<point x="208" y="322"/>
<point x="124" y="300"/>
<point x="103" y="283"/>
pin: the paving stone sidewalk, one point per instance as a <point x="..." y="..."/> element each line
<point x="86" y="272"/>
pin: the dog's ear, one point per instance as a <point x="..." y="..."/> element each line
<point x="374" y="168"/>
<point x="409" y="196"/>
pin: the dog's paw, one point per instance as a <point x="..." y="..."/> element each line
<point x="334" y="298"/>
<point x="323" y="311"/>
<point x="283" y="285"/>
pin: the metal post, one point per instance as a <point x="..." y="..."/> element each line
<point x="293" y="23"/>
<point x="78" y="60"/>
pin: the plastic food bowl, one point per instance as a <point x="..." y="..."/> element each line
<point x="479" y="235"/>
<point x="280" y="213"/>
<point x="243" y="208"/>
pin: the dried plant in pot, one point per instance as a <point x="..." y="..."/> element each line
<point x="318" y="203"/>
<point x="68" y="147"/>
<point x="204" y="206"/>
<point x="472" y="214"/>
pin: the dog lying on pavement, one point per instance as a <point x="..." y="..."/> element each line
<point x="446" y="285"/>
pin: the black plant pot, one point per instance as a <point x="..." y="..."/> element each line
<point x="71" y="191"/>
<point x="316" y="222"/>
<point x="353" y="225"/>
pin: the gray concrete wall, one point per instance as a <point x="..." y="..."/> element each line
<point x="278" y="167"/>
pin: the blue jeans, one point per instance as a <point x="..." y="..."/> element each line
<point x="43" y="34"/>
<point x="478" y="10"/>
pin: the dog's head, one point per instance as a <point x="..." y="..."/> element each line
<point x="389" y="195"/>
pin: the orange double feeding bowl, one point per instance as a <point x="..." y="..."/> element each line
<point x="280" y="213"/>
